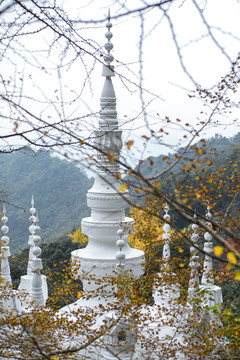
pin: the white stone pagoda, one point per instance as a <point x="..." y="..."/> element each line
<point x="108" y="251"/>
<point x="106" y="201"/>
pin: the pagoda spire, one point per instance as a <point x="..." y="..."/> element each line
<point x="167" y="236"/>
<point x="26" y="280"/>
<point x="212" y="293"/>
<point x="207" y="276"/>
<point x="32" y="220"/>
<point x="120" y="255"/>
<point x="194" y="263"/>
<point x="9" y="298"/>
<point x="5" y="252"/>
<point x="108" y="113"/>
<point x="166" y="293"/>
<point x="36" y="294"/>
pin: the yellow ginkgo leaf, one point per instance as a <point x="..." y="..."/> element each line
<point x="79" y="294"/>
<point x="218" y="250"/>
<point x="231" y="258"/>
<point x="237" y="276"/>
<point x="129" y="144"/>
<point x="123" y="188"/>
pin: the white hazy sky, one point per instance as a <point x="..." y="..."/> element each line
<point x="162" y="72"/>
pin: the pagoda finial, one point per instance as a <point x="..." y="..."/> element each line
<point x="207" y="276"/>
<point x="37" y="286"/>
<point x="212" y="293"/>
<point x="108" y="69"/>
<point x="32" y="220"/>
<point x="5" y="239"/>
<point x="108" y="58"/>
<point x="32" y="201"/>
<point x="33" y="283"/>
<point x="194" y="238"/>
<point x="108" y="113"/>
<point x="166" y="236"/>
<point x="5" y="253"/>
<point x="120" y="255"/>
<point x="194" y="263"/>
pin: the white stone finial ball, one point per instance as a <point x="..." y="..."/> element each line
<point x="5" y="239"/>
<point x="120" y="232"/>
<point x="166" y="227"/>
<point x="194" y="227"/>
<point x="37" y="229"/>
<point x="166" y="217"/>
<point x="120" y="255"/>
<point x="109" y="35"/>
<point x="166" y="208"/>
<point x="36" y="239"/>
<point x="194" y="237"/>
<point x="207" y="236"/>
<point x="108" y="46"/>
<point x="32" y="219"/>
<point x="208" y="216"/>
<point x="4" y="219"/>
<point x="36" y="251"/>
<point x="32" y="210"/>
<point x="5" y="229"/>
<point x="120" y="243"/>
<point x="108" y="58"/>
<point x="31" y="229"/>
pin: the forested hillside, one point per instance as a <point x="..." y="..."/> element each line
<point x="218" y="146"/>
<point x="214" y="157"/>
<point x="59" y="188"/>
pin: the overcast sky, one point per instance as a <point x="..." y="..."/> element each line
<point x="162" y="73"/>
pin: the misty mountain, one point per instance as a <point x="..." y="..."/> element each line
<point x="59" y="189"/>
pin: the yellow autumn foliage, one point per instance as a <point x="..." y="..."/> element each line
<point x="78" y="236"/>
<point x="148" y="229"/>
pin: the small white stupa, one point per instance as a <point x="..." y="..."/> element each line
<point x="212" y="293"/>
<point x="26" y="287"/>
<point x="9" y="301"/>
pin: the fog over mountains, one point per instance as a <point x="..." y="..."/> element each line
<point x="59" y="188"/>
